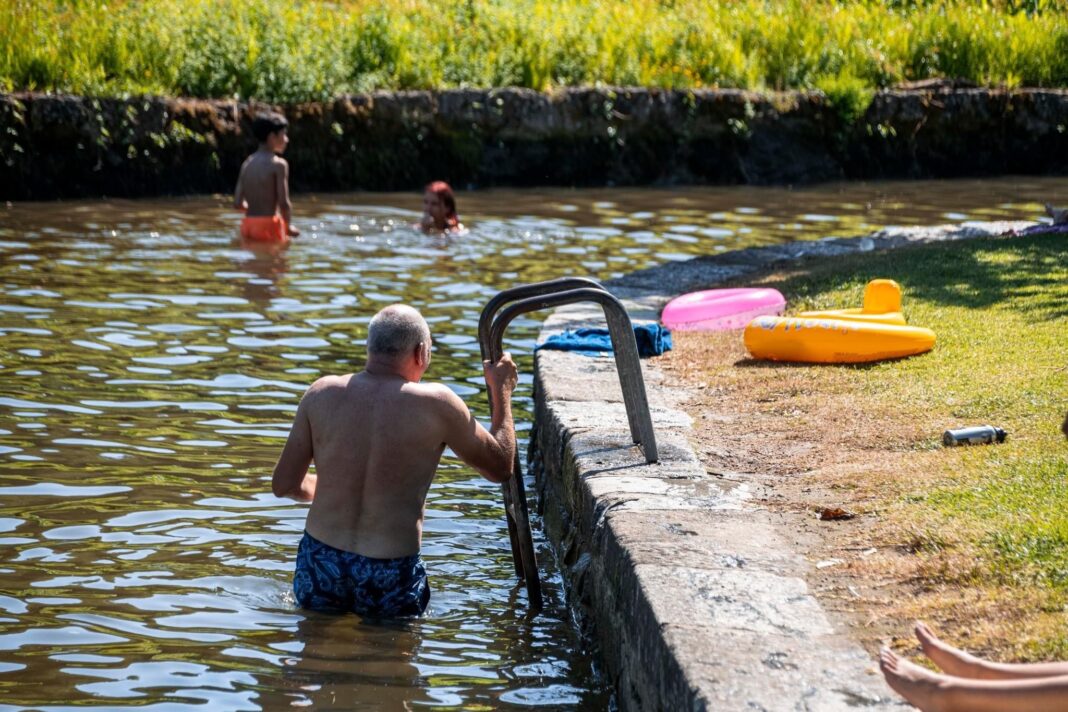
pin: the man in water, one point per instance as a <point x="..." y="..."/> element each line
<point x="376" y="438"/>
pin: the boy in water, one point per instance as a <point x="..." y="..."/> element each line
<point x="263" y="185"/>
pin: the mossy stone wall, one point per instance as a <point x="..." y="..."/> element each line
<point x="54" y="146"/>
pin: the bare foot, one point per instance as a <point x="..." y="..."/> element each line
<point x="952" y="660"/>
<point x="921" y="688"/>
<point x="957" y="663"/>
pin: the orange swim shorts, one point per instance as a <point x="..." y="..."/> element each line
<point x="267" y="228"/>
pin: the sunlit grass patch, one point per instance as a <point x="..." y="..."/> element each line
<point x="1000" y="311"/>
<point x="992" y="517"/>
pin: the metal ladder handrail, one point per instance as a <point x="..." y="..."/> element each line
<point x="540" y="295"/>
<point x="513" y="492"/>
<point x="522" y="292"/>
<point x="624" y="346"/>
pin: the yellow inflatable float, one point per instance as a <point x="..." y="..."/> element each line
<point x="875" y="332"/>
<point x="882" y="305"/>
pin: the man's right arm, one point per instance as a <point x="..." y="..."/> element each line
<point x="491" y="453"/>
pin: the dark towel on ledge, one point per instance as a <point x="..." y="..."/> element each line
<point x="652" y="339"/>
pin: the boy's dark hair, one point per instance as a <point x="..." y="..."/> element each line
<point x="267" y="123"/>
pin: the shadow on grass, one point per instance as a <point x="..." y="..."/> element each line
<point x="759" y="364"/>
<point x="973" y="274"/>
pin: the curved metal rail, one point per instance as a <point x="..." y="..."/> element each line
<point x="522" y="292"/>
<point x="623" y="345"/>
<point x="540" y="295"/>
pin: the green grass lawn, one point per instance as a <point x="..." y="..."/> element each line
<point x="309" y="49"/>
<point x="993" y="517"/>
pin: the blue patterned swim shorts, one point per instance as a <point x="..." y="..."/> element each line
<point x="329" y="579"/>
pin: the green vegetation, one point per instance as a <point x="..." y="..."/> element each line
<point x="983" y="516"/>
<point x="306" y="50"/>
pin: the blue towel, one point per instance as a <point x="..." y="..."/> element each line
<point x="652" y="339"/>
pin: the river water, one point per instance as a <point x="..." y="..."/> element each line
<point x="149" y="369"/>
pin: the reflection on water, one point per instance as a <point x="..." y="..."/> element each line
<point x="150" y="368"/>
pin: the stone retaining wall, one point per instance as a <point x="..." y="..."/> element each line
<point x="54" y="146"/>
<point x="694" y="595"/>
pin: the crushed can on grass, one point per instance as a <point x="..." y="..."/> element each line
<point x="975" y="435"/>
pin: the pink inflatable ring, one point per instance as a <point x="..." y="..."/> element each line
<point x="720" y="309"/>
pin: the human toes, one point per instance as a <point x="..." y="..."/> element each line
<point x="888" y="659"/>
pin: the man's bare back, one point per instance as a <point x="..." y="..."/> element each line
<point x="377" y="441"/>
<point x="376" y="438"/>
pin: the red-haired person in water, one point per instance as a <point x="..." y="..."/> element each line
<point x="439" y="209"/>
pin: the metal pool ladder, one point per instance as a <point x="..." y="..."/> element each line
<point x="491" y="325"/>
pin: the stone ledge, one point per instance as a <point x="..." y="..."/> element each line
<point x="693" y="596"/>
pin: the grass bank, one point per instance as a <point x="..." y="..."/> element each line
<point x="310" y="50"/>
<point x="973" y="539"/>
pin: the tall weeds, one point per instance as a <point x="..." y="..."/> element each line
<point x="309" y="49"/>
